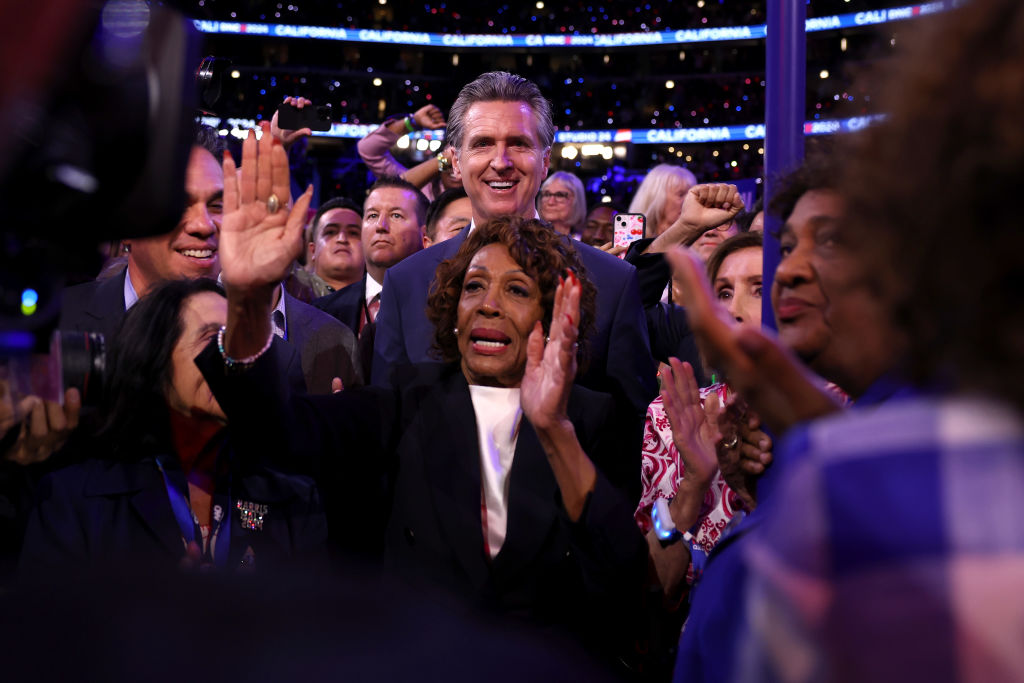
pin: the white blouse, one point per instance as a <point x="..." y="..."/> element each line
<point x="498" y="414"/>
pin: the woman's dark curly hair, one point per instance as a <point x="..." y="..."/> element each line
<point x="134" y="404"/>
<point x="820" y="169"/>
<point x="542" y="253"/>
<point x="931" y="195"/>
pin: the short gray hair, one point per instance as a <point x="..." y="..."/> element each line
<point x="500" y="86"/>
<point x="579" y="196"/>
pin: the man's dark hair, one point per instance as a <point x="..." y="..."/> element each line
<point x="330" y="204"/>
<point x="437" y="207"/>
<point x="422" y="203"/>
<point x="140" y="368"/>
<point x="604" y="205"/>
<point x="744" y="219"/>
<point x="209" y="139"/>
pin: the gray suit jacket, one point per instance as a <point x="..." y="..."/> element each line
<point x="327" y="348"/>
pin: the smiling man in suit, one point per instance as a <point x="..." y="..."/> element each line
<point x="188" y="251"/>
<point x="325" y="348"/>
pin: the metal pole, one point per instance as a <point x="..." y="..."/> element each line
<point x="785" y="81"/>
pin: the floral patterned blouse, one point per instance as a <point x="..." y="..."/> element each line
<point x="660" y="474"/>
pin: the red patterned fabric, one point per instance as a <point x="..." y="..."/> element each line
<point x="662" y="470"/>
<point x="660" y="474"/>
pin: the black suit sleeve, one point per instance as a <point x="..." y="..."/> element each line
<point x="671" y="337"/>
<point x="606" y="436"/>
<point x="652" y="271"/>
<point x="667" y="324"/>
<point x="330" y="351"/>
<point x="609" y="548"/>
<point x="629" y="362"/>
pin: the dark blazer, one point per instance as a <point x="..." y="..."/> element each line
<point x="667" y="324"/>
<point x="101" y="513"/>
<point x="347" y="304"/>
<point x="620" y="360"/>
<point x="96" y="306"/>
<point x="327" y="348"/>
<point x="578" y="578"/>
<point x="652" y="271"/>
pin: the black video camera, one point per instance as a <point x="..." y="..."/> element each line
<point x="98" y="130"/>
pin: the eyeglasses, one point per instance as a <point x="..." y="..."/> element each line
<point x="557" y="196"/>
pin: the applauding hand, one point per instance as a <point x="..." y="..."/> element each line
<point x="694" y="427"/>
<point x="551" y="367"/>
<point x="544" y="393"/>
<point x="745" y="450"/>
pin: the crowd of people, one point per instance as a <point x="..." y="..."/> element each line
<point x="462" y="382"/>
<point x="659" y="86"/>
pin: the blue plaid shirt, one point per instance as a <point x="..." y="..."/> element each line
<point x="892" y="550"/>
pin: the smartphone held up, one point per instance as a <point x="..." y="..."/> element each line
<point x="629" y="227"/>
<point x="291" y="117"/>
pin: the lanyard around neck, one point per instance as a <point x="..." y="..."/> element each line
<point x="219" y="540"/>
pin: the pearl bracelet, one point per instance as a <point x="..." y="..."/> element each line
<point x="240" y="363"/>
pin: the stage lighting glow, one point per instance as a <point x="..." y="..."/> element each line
<point x="29" y="301"/>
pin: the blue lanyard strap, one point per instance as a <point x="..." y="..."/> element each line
<point x="219" y="541"/>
